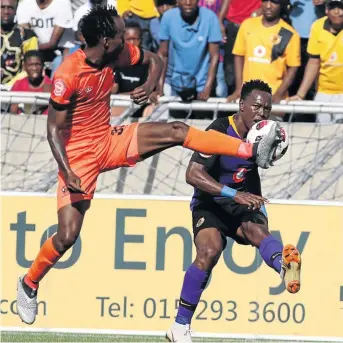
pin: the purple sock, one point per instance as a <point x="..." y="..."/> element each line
<point x="271" y="252"/>
<point x="193" y="285"/>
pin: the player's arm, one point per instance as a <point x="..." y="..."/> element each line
<point x="198" y="177"/>
<point x="56" y="122"/>
<point x="63" y="89"/>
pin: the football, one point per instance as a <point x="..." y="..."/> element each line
<point x="261" y="129"/>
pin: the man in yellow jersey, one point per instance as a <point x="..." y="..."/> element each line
<point x="140" y="11"/>
<point x="267" y="48"/>
<point x="325" y="48"/>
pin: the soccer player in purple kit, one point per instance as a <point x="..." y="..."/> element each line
<point x="228" y="202"/>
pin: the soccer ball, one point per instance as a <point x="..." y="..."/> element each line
<point x="261" y="129"/>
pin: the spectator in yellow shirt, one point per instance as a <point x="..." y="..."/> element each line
<point x="141" y="12"/>
<point x="325" y="49"/>
<point x="267" y="48"/>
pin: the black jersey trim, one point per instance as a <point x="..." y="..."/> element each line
<point x="57" y="106"/>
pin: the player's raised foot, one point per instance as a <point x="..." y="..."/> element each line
<point x="179" y="333"/>
<point x="267" y="146"/>
<point x="26" y="302"/>
<point x="291" y="266"/>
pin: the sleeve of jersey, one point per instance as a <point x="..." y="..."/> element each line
<point x="239" y="47"/>
<point x="62" y="90"/>
<point x="293" y="57"/>
<point x="208" y="161"/>
<point x="313" y="48"/>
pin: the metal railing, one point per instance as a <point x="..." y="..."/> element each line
<point x="174" y="103"/>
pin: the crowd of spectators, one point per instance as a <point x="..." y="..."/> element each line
<point x="209" y="47"/>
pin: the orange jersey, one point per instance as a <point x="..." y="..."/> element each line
<point x="84" y="90"/>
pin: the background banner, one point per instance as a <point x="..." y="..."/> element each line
<point x="127" y="268"/>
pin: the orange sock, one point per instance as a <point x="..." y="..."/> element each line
<point x="215" y="143"/>
<point x="45" y="260"/>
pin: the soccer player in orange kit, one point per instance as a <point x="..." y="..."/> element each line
<point x="85" y="145"/>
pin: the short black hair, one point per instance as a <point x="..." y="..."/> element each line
<point x="132" y="25"/>
<point x="98" y="23"/>
<point x="165" y="2"/>
<point x="251" y="85"/>
<point x="33" y="53"/>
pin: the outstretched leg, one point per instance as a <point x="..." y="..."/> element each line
<point x="153" y="138"/>
<point x="70" y="219"/>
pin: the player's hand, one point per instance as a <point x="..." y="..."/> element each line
<point x="140" y="95"/>
<point x="126" y="14"/>
<point x="205" y="94"/>
<point x="233" y="97"/>
<point x="251" y="200"/>
<point x="73" y="183"/>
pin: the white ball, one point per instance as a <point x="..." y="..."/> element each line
<point x="261" y="129"/>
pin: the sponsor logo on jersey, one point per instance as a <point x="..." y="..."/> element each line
<point x="59" y="87"/>
<point x="275" y="39"/>
<point x="239" y="175"/>
<point x="259" y="55"/>
<point x="200" y="222"/>
<point x="88" y="89"/>
<point x="259" y="51"/>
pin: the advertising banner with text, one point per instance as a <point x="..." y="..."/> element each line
<point x="126" y="270"/>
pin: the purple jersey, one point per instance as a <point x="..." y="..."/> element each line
<point x="233" y="172"/>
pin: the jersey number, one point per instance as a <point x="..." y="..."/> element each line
<point x="117" y="130"/>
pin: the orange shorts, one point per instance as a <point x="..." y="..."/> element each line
<point x="119" y="148"/>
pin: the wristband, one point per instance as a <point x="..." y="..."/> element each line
<point x="228" y="192"/>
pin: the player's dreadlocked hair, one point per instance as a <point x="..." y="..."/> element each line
<point x="98" y="23"/>
<point x="251" y="85"/>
